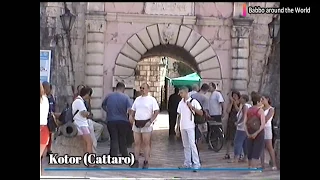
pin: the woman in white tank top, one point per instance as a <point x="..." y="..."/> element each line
<point x="269" y="113"/>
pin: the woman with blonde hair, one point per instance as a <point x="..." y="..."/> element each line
<point x="44" y="131"/>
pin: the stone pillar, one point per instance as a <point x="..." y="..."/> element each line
<point x="240" y="53"/>
<point x="96" y="26"/>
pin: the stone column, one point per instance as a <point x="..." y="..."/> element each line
<point x="96" y="26"/>
<point x="240" y="53"/>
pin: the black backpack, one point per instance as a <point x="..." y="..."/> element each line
<point x="66" y="115"/>
<point x="52" y="123"/>
<point x="197" y="118"/>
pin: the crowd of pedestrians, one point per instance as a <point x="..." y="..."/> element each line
<point x="249" y="126"/>
<point x="250" y="129"/>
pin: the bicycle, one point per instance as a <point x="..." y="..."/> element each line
<point x="215" y="135"/>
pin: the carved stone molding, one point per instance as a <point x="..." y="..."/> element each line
<point x="240" y="31"/>
<point x="167" y="33"/>
<point x="242" y="21"/>
<point x="169" y="19"/>
<point x="96" y="25"/>
<point x="169" y="8"/>
<point x="100" y="16"/>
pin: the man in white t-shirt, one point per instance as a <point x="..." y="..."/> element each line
<point x="215" y="104"/>
<point x="80" y="117"/>
<point x="145" y="110"/>
<point x="187" y="127"/>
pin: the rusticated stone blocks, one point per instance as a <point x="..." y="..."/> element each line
<point x="71" y="146"/>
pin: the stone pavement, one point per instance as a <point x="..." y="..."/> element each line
<point x="169" y="154"/>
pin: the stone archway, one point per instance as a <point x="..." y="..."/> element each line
<point x="178" y="41"/>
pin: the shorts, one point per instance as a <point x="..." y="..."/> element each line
<point x="44" y="135"/>
<point x="83" y="130"/>
<point x="142" y="130"/>
<point x="268" y="133"/>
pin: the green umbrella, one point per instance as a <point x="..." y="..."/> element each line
<point x="187" y="80"/>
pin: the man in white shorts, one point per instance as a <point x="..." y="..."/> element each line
<point x="145" y="110"/>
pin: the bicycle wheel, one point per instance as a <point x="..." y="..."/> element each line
<point x="216" y="139"/>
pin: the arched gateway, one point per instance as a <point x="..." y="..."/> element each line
<point x="177" y="41"/>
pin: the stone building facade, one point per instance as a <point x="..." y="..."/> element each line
<point x="109" y="39"/>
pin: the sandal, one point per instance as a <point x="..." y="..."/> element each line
<point x="227" y="156"/>
<point x="274" y="168"/>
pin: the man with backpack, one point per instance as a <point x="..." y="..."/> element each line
<point x="187" y="110"/>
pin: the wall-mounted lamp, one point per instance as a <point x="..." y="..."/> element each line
<point x="67" y="20"/>
<point x="274" y="27"/>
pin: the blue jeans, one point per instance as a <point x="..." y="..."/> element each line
<point x="240" y="141"/>
<point x="190" y="148"/>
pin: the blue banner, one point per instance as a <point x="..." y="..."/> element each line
<point x="45" y="64"/>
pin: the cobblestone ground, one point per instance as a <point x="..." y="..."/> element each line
<point x="169" y="154"/>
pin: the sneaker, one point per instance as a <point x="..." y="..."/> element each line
<point x="195" y="168"/>
<point x="184" y="167"/>
<point x="135" y="164"/>
<point x="145" y="165"/>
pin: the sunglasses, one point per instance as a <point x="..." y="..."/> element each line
<point x="141" y="88"/>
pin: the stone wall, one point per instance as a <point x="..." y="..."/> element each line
<point x="259" y="46"/>
<point x="68" y="60"/>
<point x="151" y="71"/>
